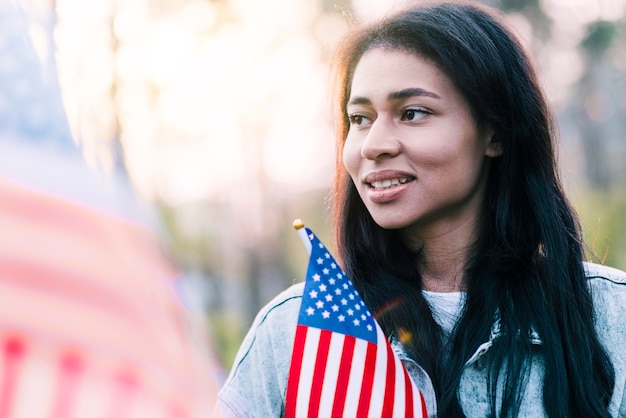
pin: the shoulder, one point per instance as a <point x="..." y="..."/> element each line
<point x="601" y="272"/>
<point x="608" y="289"/>
<point x="275" y="323"/>
<point x="279" y="309"/>
<point x="257" y="380"/>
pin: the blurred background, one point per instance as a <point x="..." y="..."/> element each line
<point x="217" y="114"/>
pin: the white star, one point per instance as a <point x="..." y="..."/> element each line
<point x="331" y="281"/>
<point x="327" y="255"/>
<point x="322" y="287"/>
<point x="310" y="311"/>
<point x="369" y="327"/>
<point x="339" y="275"/>
<point x="341" y="318"/>
<point x="344" y="301"/>
<point x="351" y="296"/>
<point x="313" y="294"/>
<point x="337" y="291"/>
<point x="325" y="271"/>
<point x="345" y="286"/>
<point x="321" y="245"/>
<point x="363" y="317"/>
<point x="335" y="308"/>
<point x="311" y="236"/>
<point x="320" y="261"/>
<point x="325" y="314"/>
<point x="356" y="322"/>
<point x="350" y="312"/>
<point x="329" y="298"/>
<point x="333" y="265"/>
<point x="357" y="307"/>
<point x="316" y="277"/>
<point x="319" y="304"/>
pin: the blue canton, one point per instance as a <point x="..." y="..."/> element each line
<point x="330" y="301"/>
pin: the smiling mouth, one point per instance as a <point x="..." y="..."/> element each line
<point x="389" y="183"/>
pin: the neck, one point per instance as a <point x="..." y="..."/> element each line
<point x="443" y="269"/>
<point x="443" y="255"/>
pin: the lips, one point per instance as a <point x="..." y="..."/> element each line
<point x="385" y="186"/>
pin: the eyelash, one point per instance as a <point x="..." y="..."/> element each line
<point x="352" y="118"/>
<point x="357" y="118"/>
<point x="420" y="110"/>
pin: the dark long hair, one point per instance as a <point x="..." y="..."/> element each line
<point x="526" y="267"/>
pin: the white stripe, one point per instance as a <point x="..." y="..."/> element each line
<point x="399" y="400"/>
<point x="330" y="379"/>
<point x="356" y="378"/>
<point x="35" y="382"/>
<point x="306" y="371"/>
<point x="417" y="400"/>
<point x="378" y="391"/>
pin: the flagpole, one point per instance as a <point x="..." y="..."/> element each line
<point x="298" y="225"/>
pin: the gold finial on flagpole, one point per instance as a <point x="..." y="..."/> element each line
<point x="298" y="224"/>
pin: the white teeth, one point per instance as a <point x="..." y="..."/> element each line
<point x="389" y="183"/>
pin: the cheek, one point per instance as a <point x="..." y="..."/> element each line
<point x="455" y="149"/>
<point x="433" y="156"/>
<point x="350" y="155"/>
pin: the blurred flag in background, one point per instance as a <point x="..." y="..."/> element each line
<point x="90" y="323"/>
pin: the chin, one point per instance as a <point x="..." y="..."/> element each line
<point x="387" y="223"/>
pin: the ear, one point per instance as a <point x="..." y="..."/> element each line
<point x="493" y="146"/>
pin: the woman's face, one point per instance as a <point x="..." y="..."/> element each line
<point x="413" y="149"/>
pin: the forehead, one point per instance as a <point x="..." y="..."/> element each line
<point x="383" y="70"/>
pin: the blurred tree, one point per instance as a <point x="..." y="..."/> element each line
<point x="599" y="38"/>
<point x="237" y="236"/>
<point x="595" y="112"/>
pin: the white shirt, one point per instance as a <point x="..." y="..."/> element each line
<point x="446" y="307"/>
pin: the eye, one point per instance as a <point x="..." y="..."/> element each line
<point x="359" y="120"/>
<point x="414" y="114"/>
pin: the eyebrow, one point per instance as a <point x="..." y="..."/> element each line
<point x="398" y="95"/>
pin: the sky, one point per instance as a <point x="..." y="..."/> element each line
<point x="229" y="101"/>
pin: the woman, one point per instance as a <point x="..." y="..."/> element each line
<point x="448" y="203"/>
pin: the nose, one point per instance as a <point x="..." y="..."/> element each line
<point x="381" y="141"/>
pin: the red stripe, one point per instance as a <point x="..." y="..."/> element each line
<point x="178" y="411"/>
<point x="390" y="384"/>
<point x="125" y="388"/>
<point x="408" y="399"/>
<point x="343" y="376"/>
<point x="62" y="281"/>
<point x="13" y="356"/>
<point x="318" y="372"/>
<point x="294" y="371"/>
<point x="43" y="208"/>
<point x="70" y="369"/>
<point x="368" y="381"/>
<point x="424" y="409"/>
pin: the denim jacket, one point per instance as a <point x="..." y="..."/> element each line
<point x="257" y="381"/>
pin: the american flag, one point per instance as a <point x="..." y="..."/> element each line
<point x="342" y="364"/>
<point x="90" y="323"/>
